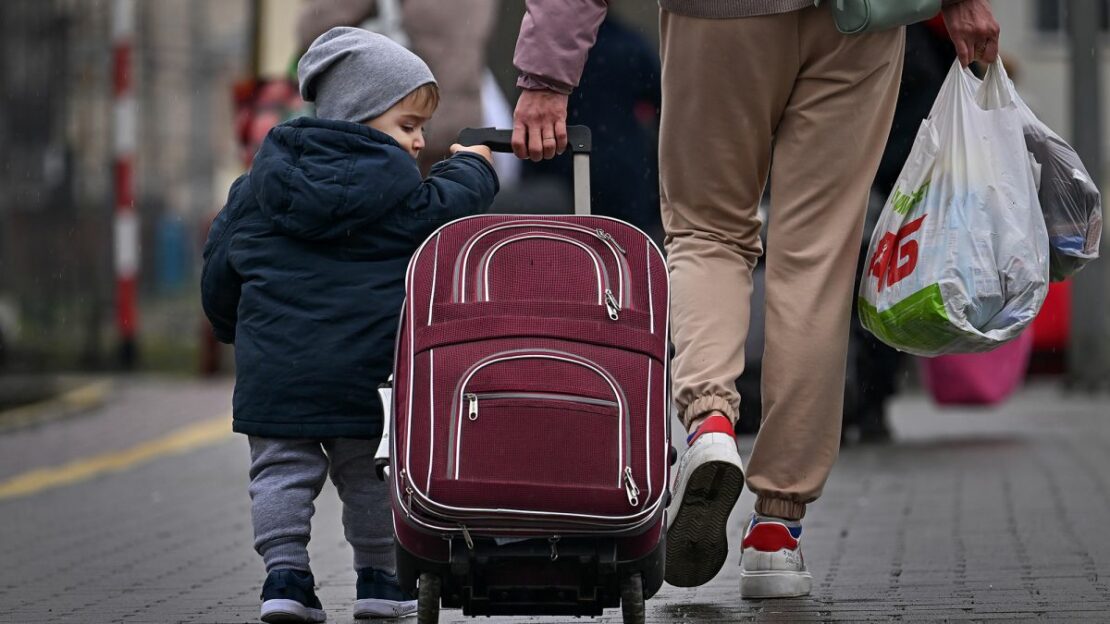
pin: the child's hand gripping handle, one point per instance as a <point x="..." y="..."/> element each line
<point x="381" y="456"/>
<point x="579" y="140"/>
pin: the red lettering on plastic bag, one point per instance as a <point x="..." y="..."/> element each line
<point x="895" y="258"/>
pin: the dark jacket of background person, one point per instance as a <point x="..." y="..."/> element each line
<point x="304" y="271"/>
<point x="618" y="97"/>
<point x="929" y="56"/>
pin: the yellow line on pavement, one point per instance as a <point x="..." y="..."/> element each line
<point x="194" y="436"/>
<point x="78" y="400"/>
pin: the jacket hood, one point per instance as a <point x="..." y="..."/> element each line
<point x="320" y="179"/>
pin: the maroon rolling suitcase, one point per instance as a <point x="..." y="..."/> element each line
<point x="529" y="444"/>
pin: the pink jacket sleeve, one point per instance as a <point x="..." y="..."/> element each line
<point x="555" y="37"/>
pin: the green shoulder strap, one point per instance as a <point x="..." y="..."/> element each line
<point x="853" y="17"/>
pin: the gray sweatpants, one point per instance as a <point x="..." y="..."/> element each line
<point x="287" y="475"/>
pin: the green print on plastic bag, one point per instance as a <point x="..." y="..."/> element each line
<point x="920" y="320"/>
<point x="903" y="203"/>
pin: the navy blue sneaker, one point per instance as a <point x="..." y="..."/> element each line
<point x="380" y="596"/>
<point x="288" y="597"/>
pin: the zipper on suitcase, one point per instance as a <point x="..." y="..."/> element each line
<point x="466" y="537"/>
<point x="473" y="399"/>
<point x="472" y="402"/>
<point x="631" y="488"/>
<point x="608" y="238"/>
<point x="611" y="306"/>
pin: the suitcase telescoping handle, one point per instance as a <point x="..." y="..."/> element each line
<point x="579" y="141"/>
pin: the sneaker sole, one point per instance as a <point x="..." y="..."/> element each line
<point x="760" y="585"/>
<point x="697" y="540"/>
<point x="284" y="611"/>
<point x="378" y="608"/>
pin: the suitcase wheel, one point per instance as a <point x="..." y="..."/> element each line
<point x="632" y="599"/>
<point x="427" y="605"/>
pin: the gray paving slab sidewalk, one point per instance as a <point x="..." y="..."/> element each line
<point x="973" y="515"/>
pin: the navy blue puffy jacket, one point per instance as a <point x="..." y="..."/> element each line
<point x="304" y="271"/>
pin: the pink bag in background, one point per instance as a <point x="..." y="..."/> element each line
<point x="978" y="378"/>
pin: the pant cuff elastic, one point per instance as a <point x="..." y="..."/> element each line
<point x="285" y="555"/>
<point x="780" y="508"/>
<point x="378" y="556"/>
<point x="708" y="403"/>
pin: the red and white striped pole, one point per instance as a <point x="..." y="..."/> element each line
<point x="126" y="220"/>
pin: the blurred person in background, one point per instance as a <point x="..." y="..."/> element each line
<point x="450" y="36"/>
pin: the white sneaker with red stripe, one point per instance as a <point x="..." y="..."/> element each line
<point x="707" y="483"/>
<point x="771" y="562"/>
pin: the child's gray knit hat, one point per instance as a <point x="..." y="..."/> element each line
<point x="354" y="75"/>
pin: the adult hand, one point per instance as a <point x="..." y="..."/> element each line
<point x="973" y="30"/>
<point x="540" y="124"/>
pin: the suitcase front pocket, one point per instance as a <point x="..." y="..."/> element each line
<point x="537" y="432"/>
<point x="539" y="439"/>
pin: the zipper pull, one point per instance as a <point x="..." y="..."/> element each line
<point x="554" y="540"/>
<point x="473" y="411"/>
<point x="605" y="236"/>
<point x="631" y="488"/>
<point x="408" y="493"/>
<point x="611" y="305"/>
<point x="466" y="537"/>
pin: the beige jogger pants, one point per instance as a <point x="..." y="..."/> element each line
<point x="735" y="93"/>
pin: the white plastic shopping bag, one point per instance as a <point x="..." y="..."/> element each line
<point x="1070" y="201"/>
<point x="958" y="262"/>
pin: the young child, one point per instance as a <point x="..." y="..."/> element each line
<point x="304" y="272"/>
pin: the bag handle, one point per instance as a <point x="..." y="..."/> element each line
<point x="995" y="91"/>
<point x="579" y="140"/>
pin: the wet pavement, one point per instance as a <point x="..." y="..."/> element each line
<point x="136" y="510"/>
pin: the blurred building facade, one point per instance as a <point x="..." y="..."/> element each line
<point x="56" y="126"/>
<point x="1035" y="37"/>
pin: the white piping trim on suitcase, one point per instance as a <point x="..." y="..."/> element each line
<point x="471" y="513"/>
<point x="647" y="449"/>
<point x="431" y="414"/>
<point x="415" y="502"/>
<point x="622" y="262"/>
<point x="435" y="269"/>
<point x="408" y="423"/>
<point x="667" y="388"/>
<point x="457" y="394"/>
<point x="571" y="527"/>
<point x="622" y="413"/>
<point x="651" y="296"/>
<point x="540" y="223"/>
